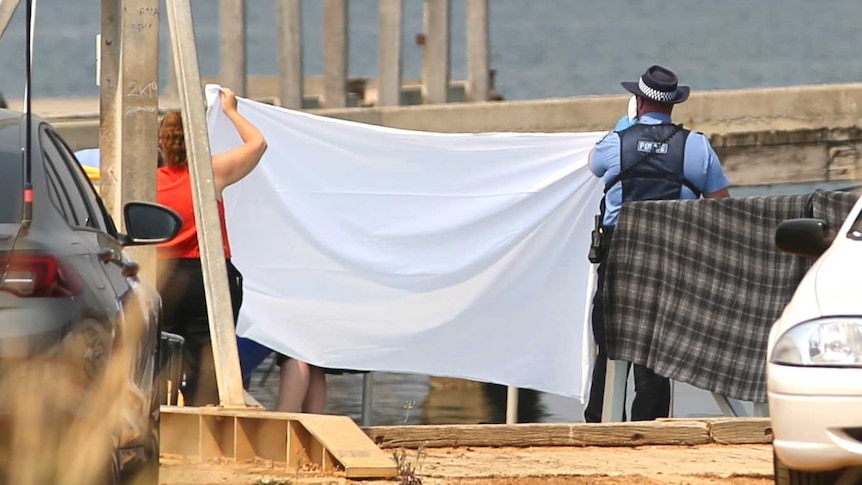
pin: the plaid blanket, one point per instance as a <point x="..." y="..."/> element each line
<point x="693" y="287"/>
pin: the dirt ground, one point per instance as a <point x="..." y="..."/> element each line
<point x="654" y="465"/>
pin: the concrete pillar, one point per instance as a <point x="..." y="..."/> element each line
<point x="109" y="72"/>
<point x="389" y="62"/>
<point x="478" y="51"/>
<point x="437" y="49"/>
<point x="335" y="53"/>
<point x="290" y="64"/>
<point x="138" y="108"/>
<point x="233" y="46"/>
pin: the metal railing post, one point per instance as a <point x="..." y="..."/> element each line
<point x="367" y="397"/>
<point x="615" y="391"/>
<point x="511" y="405"/>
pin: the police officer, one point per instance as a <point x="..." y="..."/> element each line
<point x="647" y="158"/>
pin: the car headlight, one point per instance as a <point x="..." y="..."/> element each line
<point x="827" y="342"/>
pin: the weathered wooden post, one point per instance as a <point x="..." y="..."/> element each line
<point x="335" y="53"/>
<point x="206" y="212"/>
<point x="389" y="62"/>
<point x="233" y="46"/>
<point x="478" y="52"/>
<point x="290" y="64"/>
<point x="437" y="51"/>
<point x="7" y="9"/>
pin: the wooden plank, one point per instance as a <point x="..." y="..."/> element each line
<point x="221" y="322"/>
<point x="179" y="434"/>
<point x="298" y="445"/>
<point x="217" y="437"/>
<point x="7" y="10"/>
<point x="244" y="440"/>
<point x="289" y="438"/>
<point x="264" y="438"/>
<point x="740" y="431"/>
<point x="682" y="432"/>
<point x="349" y="446"/>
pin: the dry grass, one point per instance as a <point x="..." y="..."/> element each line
<point x="64" y="409"/>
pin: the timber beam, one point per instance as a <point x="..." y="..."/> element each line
<point x="678" y="432"/>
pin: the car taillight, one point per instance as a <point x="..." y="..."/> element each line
<point x="32" y="275"/>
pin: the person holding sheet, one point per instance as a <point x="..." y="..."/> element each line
<point x="645" y="157"/>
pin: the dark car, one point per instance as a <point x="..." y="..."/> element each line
<point x="79" y="332"/>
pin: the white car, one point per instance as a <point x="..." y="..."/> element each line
<point x="814" y="368"/>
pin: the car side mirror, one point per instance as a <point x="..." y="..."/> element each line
<point x="804" y="237"/>
<point x="148" y="223"/>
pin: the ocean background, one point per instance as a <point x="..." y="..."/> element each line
<point x="540" y="49"/>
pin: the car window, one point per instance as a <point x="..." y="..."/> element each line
<point x="98" y="214"/>
<point x="11" y="186"/>
<point x="81" y="214"/>
<point x="58" y="195"/>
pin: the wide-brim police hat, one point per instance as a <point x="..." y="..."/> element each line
<point x="658" y="84"/>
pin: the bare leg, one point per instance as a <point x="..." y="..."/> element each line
<point x="295" y="378"/>
<point x="315" y="398"/>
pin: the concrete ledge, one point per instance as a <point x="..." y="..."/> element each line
<point x="762" y="136"/>
<point x="663" y="432"/>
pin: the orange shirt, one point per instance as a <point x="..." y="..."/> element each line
<point x="175" y="191"/>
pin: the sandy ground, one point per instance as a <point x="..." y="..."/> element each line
<point x="695" y="465"/>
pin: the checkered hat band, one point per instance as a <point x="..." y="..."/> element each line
<point x="661" y="96"/>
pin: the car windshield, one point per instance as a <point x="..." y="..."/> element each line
<point x="11" y="185"/>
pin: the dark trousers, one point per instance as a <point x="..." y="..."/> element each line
<point x="185" y="313"/>
<point x="652" y="391"/>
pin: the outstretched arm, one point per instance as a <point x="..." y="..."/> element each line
<point x="718" y="194"/>
<point x="233" y="165"/>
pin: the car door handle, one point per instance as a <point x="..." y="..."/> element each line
<point x="107" y="254"/>
<point x="130" y="268"/>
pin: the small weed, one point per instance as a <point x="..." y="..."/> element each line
<point x="408" y="471"/>
<point x="408" y="406"/>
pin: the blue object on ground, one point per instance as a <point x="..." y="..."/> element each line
<point x="251" y="355"/>
<point x="88" y="157"/>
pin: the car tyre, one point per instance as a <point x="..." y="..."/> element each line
<point x="788" y="476"/>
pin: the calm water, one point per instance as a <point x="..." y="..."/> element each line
<point x="540" y="48"/>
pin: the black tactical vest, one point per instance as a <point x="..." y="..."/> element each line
<point x="659" y="176"/>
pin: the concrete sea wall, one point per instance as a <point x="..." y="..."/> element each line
<point x="763" y="136"/>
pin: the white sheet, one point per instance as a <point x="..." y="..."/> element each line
<point x="372" y="248"/>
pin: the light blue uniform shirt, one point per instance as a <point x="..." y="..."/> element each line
<point x="701" y="166"/>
